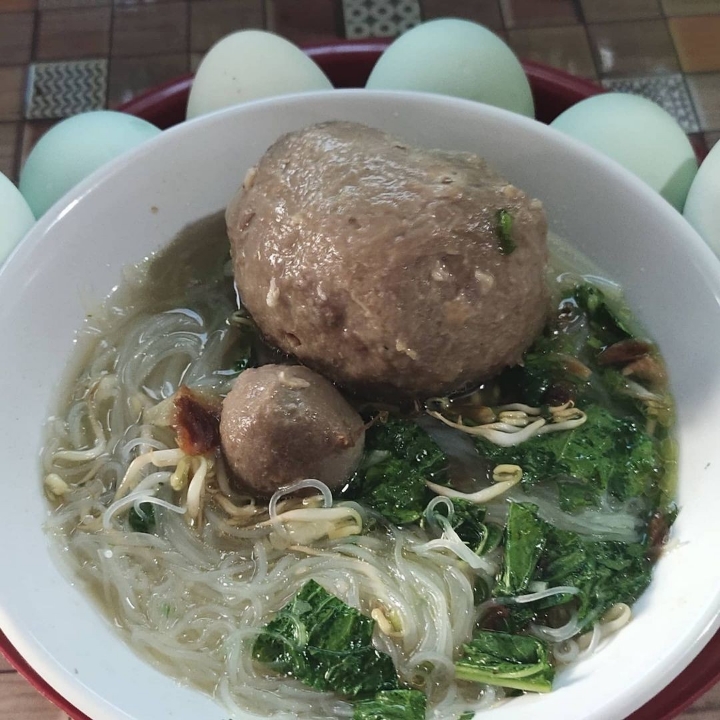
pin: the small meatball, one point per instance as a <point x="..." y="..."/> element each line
<point x="392" y="270"/>
<point x="283" y="423"/>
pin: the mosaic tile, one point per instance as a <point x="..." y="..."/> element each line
<point x="690" y="7"/>
<point x="668" y="91"/>
<point x="61" y="89"/>
<point x="73" y="34"/>
<point x="611" y="10"/>
<point x="379" y="18"/>
<point x="16" y="34"/>
<point x="312" y="21"/>
<point x="12" y="92"/>
<point x="538" y="13"/>
<point x="697" y="40"/>
<point x="213" y="19"/>
<point x="705" y="91"/>
<point x="9" y="133"/>
<point x="566" y="48"/>
<point x="485" y="12"/>
<point x="149" y="29"/>
<point x="633" y="48"/>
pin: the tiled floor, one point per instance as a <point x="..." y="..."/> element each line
<point x="59" y="57"/>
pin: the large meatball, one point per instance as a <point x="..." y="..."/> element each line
<point x="282" y="423"/>
<point x="392" y="270"/>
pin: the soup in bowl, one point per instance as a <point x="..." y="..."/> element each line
<point x="203" y="566"/>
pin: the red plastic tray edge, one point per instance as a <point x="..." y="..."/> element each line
<point x="348" y="64"/>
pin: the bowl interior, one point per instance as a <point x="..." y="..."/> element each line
<point x="76" y="254"/>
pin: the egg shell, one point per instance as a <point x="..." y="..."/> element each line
<point x="455" y="57"/>
<point x="702" y="207"/>
<point x="638" y="134"/>
<point x="73" y="149"/>
<point x="16" y="218"/>
<point x="249" y="65"/>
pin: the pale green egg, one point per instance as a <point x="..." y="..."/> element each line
<point x="638" y="134"/>
<point x="702" y="207"/>
<point x="249" y="65"/>
<point x="73" y="149"/>
<point x="455" y="57"/>
<point x="16" y="218"/>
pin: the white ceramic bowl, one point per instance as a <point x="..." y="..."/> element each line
<point x="75" y="255"/>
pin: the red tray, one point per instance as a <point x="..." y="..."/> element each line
<point x="348" y="64"/>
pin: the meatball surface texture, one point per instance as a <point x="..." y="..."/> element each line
<point x="283" y="423"/>
<point x="392" y="270"/>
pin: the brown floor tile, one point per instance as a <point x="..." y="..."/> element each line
<point x="5" y="666"/>
<point x="9" y="133"/>
<point x="711" y="139"/>
<point x="311" y="22"/>
<point x="16" y="34"/>
<point x="538" y="13"/>
<point x="566" y="48"/>
<point x="150" y="29"/>
<point x="486" y="12"/>
<point x="697" y="40"/>
<point x="75" y="33"/>
<point x="65" y="4"/>
<point x="633" y="48"/>
<point x="33" y="130"/>
<point x="195" y="60"/>
<point x="20" y="701"/>
<point x="131" y="76"/>
<point x="609" y="10"/>
<point x="211" y="20"/>
<point x="11" y="6"/>
<point x="690" y="7"/>
<point x="705" y="91"/>
<point x="12" y="91"/>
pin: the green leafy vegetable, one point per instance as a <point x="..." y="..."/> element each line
<point x="469" y="715"/>
<point x="392" y="705"/>
<point x="606" y="453"/>
<point x="143" y="519"/>
<point x="503" y="230"/>
<point x="524" y="541"/>
<point x="606" y="573"/>
<point x="608" y="325"/>
<point x="325" y="644"/>
<point x="403" y="456"/>
<point x="511" y="661"/>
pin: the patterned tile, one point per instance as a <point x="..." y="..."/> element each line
<point x="697" y="40"/>
<point x="211" y="20"/>
<point x="379" y="18"/>
<point x="705" y="91"/>
<point x="486" y="12"/>
<point x="538" y="13"/>
<point x="12" y="92"/>
<point x="668" y="91"/>
<point x="61" y="89"/>
<point x="311" y="21"/>
<point x="9" y="134"/>
<point x="16" y="34"/>
<point x="131" y="76"/>
<point x="148" y="29"/>
<point x="566" y="48"/>
<point x="633" y="48"/>
<point x="72" y="34"/>
<point x="609" y="10"/>
<point x="690" y="7"/>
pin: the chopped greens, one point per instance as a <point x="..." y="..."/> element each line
<point x="524" y="542"/>
<point x="512" y="661"/>
<point x="326" y="644"/>
<point x="392" y="705"/>
<point x="143" y="519"/>
<point x="607" y="325"/>
<point x="503" y="230"/>
<point x="405" y="456"/>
